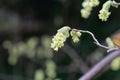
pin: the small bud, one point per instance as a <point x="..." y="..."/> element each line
<point x="75" y="36"/>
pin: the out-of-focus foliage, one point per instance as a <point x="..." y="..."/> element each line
<point x="32" y="49"/>
<point x="39" y="75"/>
<point x="50" y="72"/>
<point x="23" y="59"/>
<point x="110" y="42"/>
<point x="29" y="48"/>
<point x="115" y="65"/>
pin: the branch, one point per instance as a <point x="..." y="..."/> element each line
<point x="98" y="51"/>
<point x="101" y="65"/>
<point x="109" y="49"/>
<point x="116" y="3"/>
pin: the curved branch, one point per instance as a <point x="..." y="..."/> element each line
<point x="96" y="41"/>
<point x="104" y="62"/>
<point x="101" y="65"/>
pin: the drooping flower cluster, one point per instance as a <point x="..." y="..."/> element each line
<point x="104" y="12"/>
<point x="59" y="39"/>
<point x="61" y="36"/>
<point x="75" y="36"/>
<point x="87" y="7"/>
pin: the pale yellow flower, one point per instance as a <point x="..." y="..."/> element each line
<point x="64" y="30"/>
<point x="84" y="13"/>
<point x="75" y="36"/>
<point x="95" y="2"/>
<point x="59" y="39"/>
<point x="104" y="15"/>
<point x="104" y="12"/>
<point x="107" y="5"/>
<point x="87" y="5"/>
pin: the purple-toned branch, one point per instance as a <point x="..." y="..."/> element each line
<point x="100" y="66"/>
<point x="113" y="53"/>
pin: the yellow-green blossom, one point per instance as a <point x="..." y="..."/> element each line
<point x="59" y="39"/>
<point x="87" y="7"/>
<point x="107" y="5"/>
<point x="64" y="30"/>
<point x="95" y="2"/>
<point x="75" y="36"/>
<point x="84" y="13"/>
<point x="104" y="12"/>
<point x="104" y="15"/>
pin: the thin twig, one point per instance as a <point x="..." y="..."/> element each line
<point x="104" y="62"/>
<point x="96" y="41"/>
<point x="114" y="2"/>
<point x="98" y="51"/>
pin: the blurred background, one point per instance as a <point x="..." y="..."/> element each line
<point x="26" y="29"/>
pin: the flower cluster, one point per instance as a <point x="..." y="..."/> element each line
<point x="104" y="12"/>
<point x="59" y="39"/>
<point x="75" y="35"/>
<point x="61" y="36"/>
<point x="87" y="7"/>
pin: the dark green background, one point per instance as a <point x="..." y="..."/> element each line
<point x="42" y="13"/>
